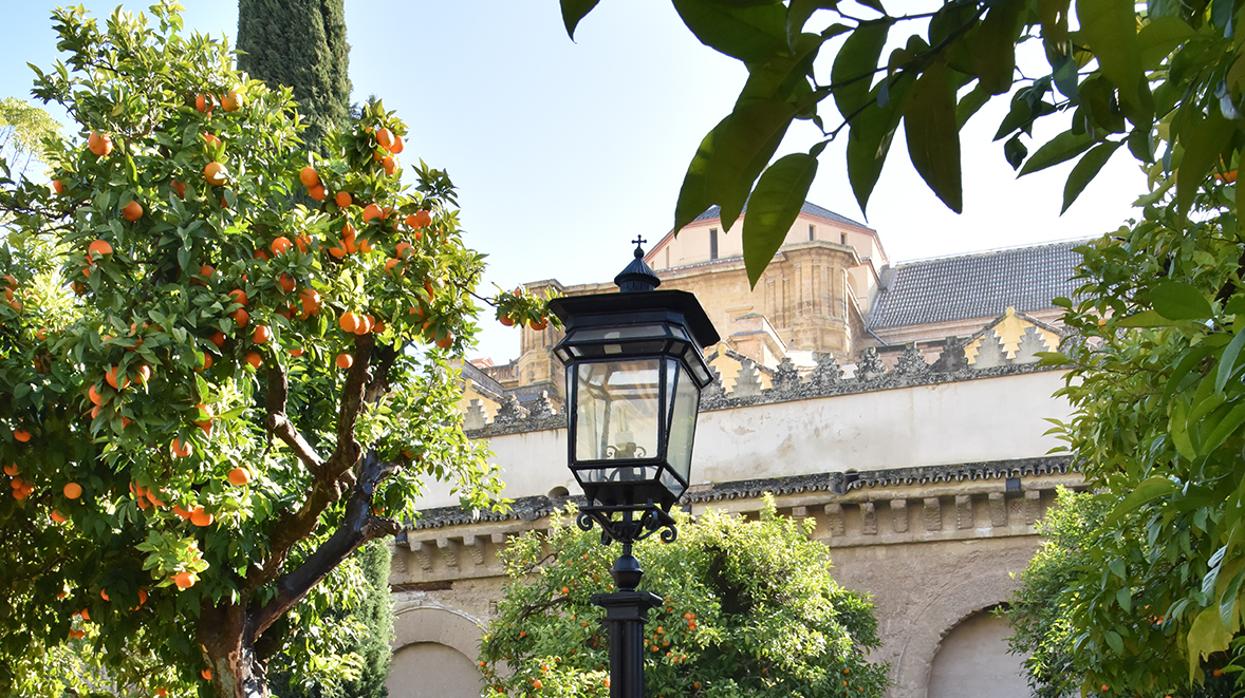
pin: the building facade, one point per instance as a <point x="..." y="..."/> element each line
<point x="901" y="407"/>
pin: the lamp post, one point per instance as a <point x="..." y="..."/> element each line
<point x="634" y="372"/>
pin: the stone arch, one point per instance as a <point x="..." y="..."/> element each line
<point x="985" y="588"/>
<point x="973" y="661"/>
<point x="434" y="636"/>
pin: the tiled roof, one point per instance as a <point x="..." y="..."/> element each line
<point x="810" y="208"/>
<point x="975" y="285"/>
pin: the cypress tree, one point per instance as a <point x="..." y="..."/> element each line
<point x="302" y="44"/>
<point x="377" y="614"/>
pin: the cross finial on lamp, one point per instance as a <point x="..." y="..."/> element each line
<point x="639" y="251"/>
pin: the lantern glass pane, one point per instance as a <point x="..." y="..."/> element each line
<point x="617" y="409"/>
<point x="682" y="420"/>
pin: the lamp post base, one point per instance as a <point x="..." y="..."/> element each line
<point x="625" y="613"/>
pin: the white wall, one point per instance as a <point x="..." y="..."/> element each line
<point x="969" y="421"/>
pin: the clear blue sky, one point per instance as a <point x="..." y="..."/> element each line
<point x="564" y="151"/>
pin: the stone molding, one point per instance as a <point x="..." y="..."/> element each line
<point x="916" y="505"/>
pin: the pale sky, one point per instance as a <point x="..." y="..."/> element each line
<point x="562" y="152"/>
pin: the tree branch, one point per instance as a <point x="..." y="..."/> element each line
<point x="280" y="425"/>
<point x="358" y="527"/>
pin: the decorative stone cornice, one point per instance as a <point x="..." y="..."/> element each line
<point x="825" y="380"/>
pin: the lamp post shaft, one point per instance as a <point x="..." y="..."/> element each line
<point x="625" y="613"/>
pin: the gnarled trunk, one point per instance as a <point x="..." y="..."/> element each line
<point x="237" y="671"/>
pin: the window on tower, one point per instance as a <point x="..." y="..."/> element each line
<point x="812" y="232"/>
<point x="713" y="243"/>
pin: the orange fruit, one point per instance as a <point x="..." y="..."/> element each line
<point x="142" y="374"/>
<point x="365" y="325"/>
<point x="238" y="477"/>
<point x="538" y="325"/>
<point x="506" y="320"/>
<point x="372" y="212"/>
<point x="310" y="300"/>
<point x="384" y="138"/>
<point x="207" y="362"/>
<point x="181" y="513"/>
<point x="286" y="283"/>
<point x="95" y="396"/>
<point x="11" y="470"/>
<point x="343" y="199"/>
<point x="184" y="581"/>
<point x="200" y="517"/>
<point x="178" y="188"/>
<point x="132" y="211"/>
<point x="58" y="186"/>
<point x="231" y="101"/>
<point x="281" y="245"/>
<point x="97" y="248"/>
<point x="296" y="352"/>
<point x="72" y="490"/>
<point x="207" y="271"/>
<point x="302" y="242"/>
<point x="403" y="249"/>
<point x="180" y="449"/>
<point x="241" y="318"/>
<point x="309" y="177"/>
<point x="349" y="322"/>
<point x="239" y="296"/>
<point x="103" y="594"/>
<point x="445" y="341"/>
<point x="21" y="435"/>
<point x="420" y="219"/>
<point x="57" y="517"/>
<point x="390" y="264"/>
<point x="337" y="252"/>
<point x="206" y="674"/>
<point x="110" y="376"/>
<point x="344" y="361"/>
<point x="254" y="359"/>
<point x="397" y="146"/>
<point x="99" y="143"/>
<point x="390" y="164"/>
<point x="218" y="338"/>
<point x="260" y="255"/>
<point x="262" y="334"/>
<point x="203" y="104"/>
<point x="317" y="192"/>
<point x="210" y="139"/>
<point x="214" y="173"/>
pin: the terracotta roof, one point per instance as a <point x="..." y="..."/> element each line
<point x="809" y="208"/>
<point x="975" y="285"/>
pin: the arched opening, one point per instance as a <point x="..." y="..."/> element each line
<point x="558" y="493"/>
<point x="973" y="662"/>
<point x="432" y="670"/>
<point x="433" y="651"/>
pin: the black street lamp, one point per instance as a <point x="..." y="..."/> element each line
<point x="634" y="372"/>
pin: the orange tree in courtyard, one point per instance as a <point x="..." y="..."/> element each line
<point x="224" y="366"/>
<point x="751" y="611"/>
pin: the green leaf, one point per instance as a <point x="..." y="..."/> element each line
<point x="1226" y="427"/>
<point x="970" y="104"/>
<point x="1146" y="318"/>
<point x="933" y="134"/>
<point x="1145" y="492"/>
<point x="1109" y="30"/>
<point x="779" y="195"/>
<point x="751" y="32"/>
<point x="1227" y="361"/>
<point x="1176" y="300"/>
<point x="1061" y="148"/>
<point x="1086" y="169"/>
<point x="1159" y="37"/>
<point x="852" y="72"/>
<point x="798" y="13"/>
<point x="1204" y="140"/>
<point x="1178" y="428"/>
<point x="1124" y="598"/>
<point x="730" y="158"/>
<point x="1207" y="634"/>
<point x="1113" y="638"/>
<point x="992" y="45"/>
<point x="869" y="141"/>
<point x="573" y="11"/>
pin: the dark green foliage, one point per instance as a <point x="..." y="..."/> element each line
<point x="302" y="44"/>
<point x="376" y="615"/>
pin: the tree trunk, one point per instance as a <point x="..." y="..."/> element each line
<point x="237" y="671"/>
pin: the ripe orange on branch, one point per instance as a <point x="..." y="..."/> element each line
<point x="214" y="173"/>
<point x="309" y="177"/>
<point x="99" y="143"/>
<point x="132" y="211"/>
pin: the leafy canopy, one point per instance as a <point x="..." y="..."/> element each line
<point x="750" y="610"/>
<point x="224" y="365"/>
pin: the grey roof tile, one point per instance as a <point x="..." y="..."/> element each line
<point x="975" y="285"/>
<point x="809" y="207"/>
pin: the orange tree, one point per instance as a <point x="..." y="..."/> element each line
<point x="224" y="366"/>
<point x="751" y="610"/>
